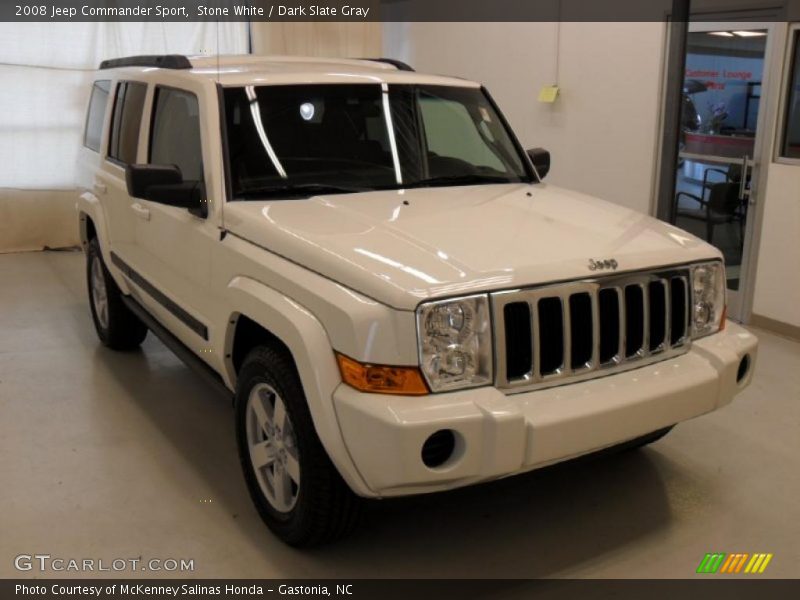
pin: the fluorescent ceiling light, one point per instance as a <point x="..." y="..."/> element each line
<point x="743" y="33"/>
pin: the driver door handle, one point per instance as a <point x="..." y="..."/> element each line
<point x="140" y="211"/>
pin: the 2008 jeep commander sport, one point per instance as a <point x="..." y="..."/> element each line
<point x="369" y="261"/>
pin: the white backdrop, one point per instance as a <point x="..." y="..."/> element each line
<point x="45" y="71"/>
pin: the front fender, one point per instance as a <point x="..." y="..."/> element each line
<point x="313" y="355"/>
<point x="90" y="207"/>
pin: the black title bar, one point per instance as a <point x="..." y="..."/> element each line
<point x="372" y="10"/>
<point x="391" y="589"/>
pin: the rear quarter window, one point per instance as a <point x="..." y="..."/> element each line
<point x="96" y="115"/>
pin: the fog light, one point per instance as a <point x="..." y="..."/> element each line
<point x="744" y="368"/>
<point x="438" y="448"/>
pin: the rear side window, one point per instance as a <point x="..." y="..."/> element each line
<point x="175" y="137"/>
<point x="96" y="115"/>
<point x="126" y="121"/>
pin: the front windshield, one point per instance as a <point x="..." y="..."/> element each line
<point x="286" y="140"/>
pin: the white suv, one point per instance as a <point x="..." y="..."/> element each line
<point x="367" y="259"/>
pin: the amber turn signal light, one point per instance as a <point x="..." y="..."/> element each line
<point x="378" y="379"/>
<point x="723" y="318"/>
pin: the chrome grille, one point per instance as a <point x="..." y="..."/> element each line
<point x="556" y="334"/>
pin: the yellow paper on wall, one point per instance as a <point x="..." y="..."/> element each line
<point x="549" y="93"/>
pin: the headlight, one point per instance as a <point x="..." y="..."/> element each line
<point x="455" y="343"/>
<point x="708" y="298"/>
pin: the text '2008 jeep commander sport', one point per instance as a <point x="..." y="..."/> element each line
<point x="366" y="257"/>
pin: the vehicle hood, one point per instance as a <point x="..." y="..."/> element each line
<point x="403" y="246"/>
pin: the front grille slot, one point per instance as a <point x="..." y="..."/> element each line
<point x="582" y="337"/>
<point x="551" y="335"/>
<point x="679" y="315"/>
<point x="517" y="316"/>
<point x="609" y="325"/>
<point x="657" y="295"/>
<point x="634" y="320"/>
<point x="564" y="332"/>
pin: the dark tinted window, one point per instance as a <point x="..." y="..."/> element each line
<point x="341" y="138"/>
<point x="790" y="148"/>
<point x="96" y="115"/>
<point x="327" y="134"/>
<point x="175" y="138"/>
<point x="126" y="121"/>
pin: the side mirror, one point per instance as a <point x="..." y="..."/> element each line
<point x="164" y="184"/>
<point x="541" y="160"/>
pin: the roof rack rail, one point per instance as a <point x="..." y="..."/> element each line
<point x="398" y="64"/>
<point x="162" y="61"/>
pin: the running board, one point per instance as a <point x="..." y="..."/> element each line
<point x="188" y="357"/>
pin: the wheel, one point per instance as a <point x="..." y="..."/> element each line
<point x="294" y="485"/>
<point x="116" y="326"/>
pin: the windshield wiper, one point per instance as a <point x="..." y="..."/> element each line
<point x="298" y="190"/>
<point x="466" y="179"/>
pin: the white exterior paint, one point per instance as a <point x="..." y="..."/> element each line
<point x="459" y="240"/>
<point x="296" y="269"/>
<point x="503" y="435"/>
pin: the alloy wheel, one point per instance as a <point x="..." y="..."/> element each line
<point x="273" y="447"/>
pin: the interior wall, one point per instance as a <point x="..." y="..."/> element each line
<point x="37" y="219"/>
<point x="776" y="298"/>
<point x="50" y="66"/>
<point x="329" y="39"/>
<point x="777" y="290"/>
<point x="602" y="130"/>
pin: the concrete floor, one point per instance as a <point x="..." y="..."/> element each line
<point x="106" y="455"/>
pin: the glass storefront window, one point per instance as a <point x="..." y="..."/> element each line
<point x="720" y="106"/>
<point x="790" y="141"/>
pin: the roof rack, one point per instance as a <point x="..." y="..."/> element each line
<point x="161" y="61"/>
<point x="398" y="64"/>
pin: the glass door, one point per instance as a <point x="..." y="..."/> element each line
<point x="715" y="180"/>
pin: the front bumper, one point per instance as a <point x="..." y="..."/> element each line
<point x="499" y="435"/>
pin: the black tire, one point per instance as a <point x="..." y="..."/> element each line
<point x="324" y="509"/>
<point x="119" y="329"/>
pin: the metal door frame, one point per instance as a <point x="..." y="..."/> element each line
<point x="739" y="302"/>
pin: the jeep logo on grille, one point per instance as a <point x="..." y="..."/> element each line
<point x="600" y="265"/>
